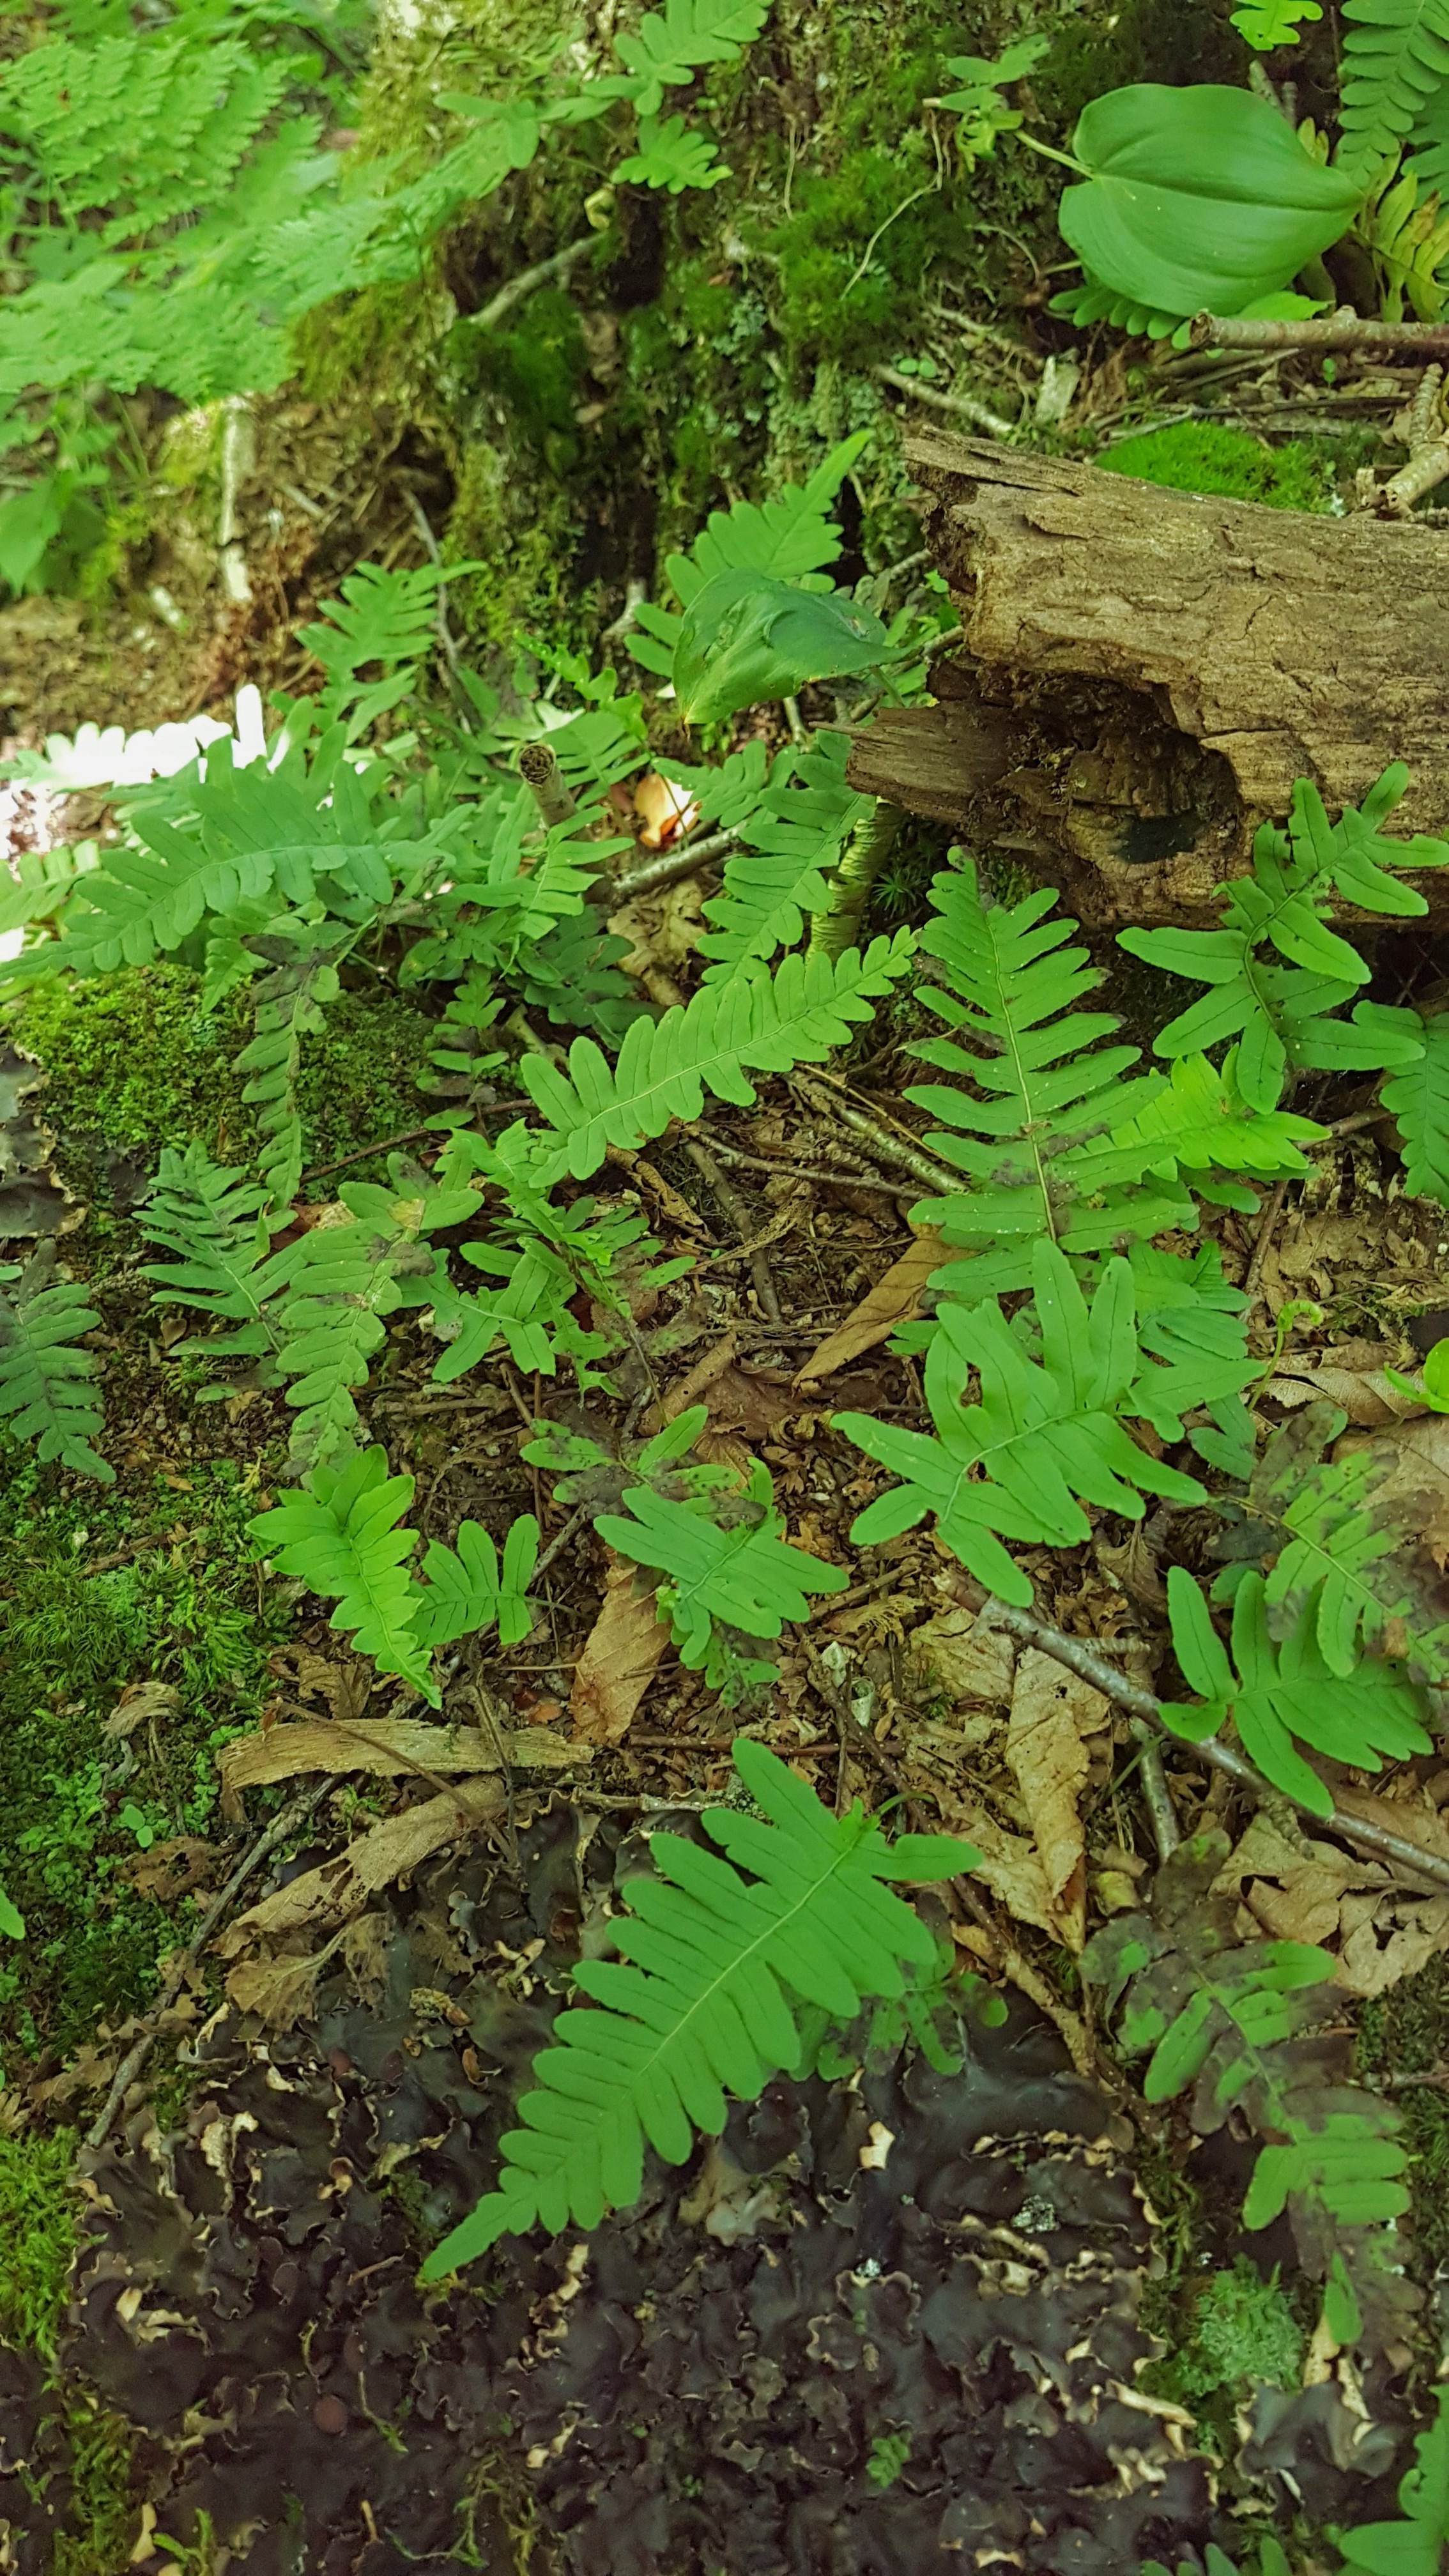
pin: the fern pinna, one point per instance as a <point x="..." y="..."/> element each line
<point x="722" y="1952"/>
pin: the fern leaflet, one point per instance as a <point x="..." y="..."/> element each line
<point x="727" y="1030"/>
<point x="289" y="1005"/>
<point x="340" y="1537"/>
<point x="790" y="538"/>
<point x="1395" y="56"/>
<point x="1044" y="1434"/>
<point x="213" y="1222"/>
<point x="1266" y="24"/>
<point x="1276" y="1693"/>
<point x="47" y="1385"/>
<point x="793" y="837"/>
<point x="1418" y="1095"/>
<point x="708" y="2002"/>
<point x="668" y="51"/>
<point x="463" y="1589"/>
<point x="1415" y="2546"/>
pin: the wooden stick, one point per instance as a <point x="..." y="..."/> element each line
<point x="1329" y="331"/>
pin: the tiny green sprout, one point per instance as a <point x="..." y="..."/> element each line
<point x="889" y="2453"/>
<point x="12" y="1921"/>
<point x="132" y="1821"/>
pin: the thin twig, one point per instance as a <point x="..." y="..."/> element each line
<point x="1094" y="1668"/>
<point x="961" y="406"/>
<point x="409" y="1136"/>
<point x="680" y="860"/>
<point x="556" y="1546"/>
<point x="739" y="1217"/>
<point x="1263" y="1239"/>
<point x="280" y="1830"/>
<point x="845" y="1180"/>
<point x="1156" y="1795"/>
<point x="546" y="273"/>
<point x="1330" y="331"/>
<point x="885" y="1147"/>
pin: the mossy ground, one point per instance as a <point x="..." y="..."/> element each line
<point x="1206" y="456"/>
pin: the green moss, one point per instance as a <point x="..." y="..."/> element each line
<point x="133" y="1065"/>
<point x="103" y="2511"/>
<point x="37" y="2236"/>
<point x="1206" y="456"/>
<point x="1406" y="2032"/>
<point x="181" y="1607"/>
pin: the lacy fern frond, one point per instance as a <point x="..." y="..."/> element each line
<point x="1395" y="56"/>
<point x="1336" y="1557"/>
<point x="141" y="129"/>
<point x="289" y="1005"/>
<point x="791" y="841"/>
<point x="727" y="1031"/>
<point x="1276" y="1693"/>
<point x="47" y="1385"/>
<point x="463" y="1589"/>
<point x="1259" y="2026"/>
<point x="1279" y="1013"/>
<point x="669" y="50"/>
<point x="213" y="1222"/>
<point x="390" y="618"/>
<point x="341" y="1538"/>
<point x="718" y="1964"/>
<point x="1418" y="1095"/>
<point x="1045" y="1434"/>
<point x="790" y="538"/>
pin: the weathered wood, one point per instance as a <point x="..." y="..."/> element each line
<point x="1170" y="665"/>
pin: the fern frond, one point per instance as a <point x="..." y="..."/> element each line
<point x="141" y="128"/>
<point x="1415" y="2546"/>
<point x="724" y="1033"/>
<point x="745" y="1576"/>
<point x="1395" y="56"/>
<point x="384" y="617"/>
<point x="47" y="1385"/>
<point x="709" y="2001"/>
<point x="340" y="1537"/>
<point x="1277" y="1012"/>
<point x="1338" y="1559"/>
<point x="1044" y="1434"/>
<point x="463" y="1590"/>
<point x="289" y="1005"/>
<point x="791" y="840"/>
<point x="790" y="538"/>
<point x="213" y="1222"/>
<point x="1407" y="238"/>
<point x="1418" y="1095"/>
<point x="1267" y="24"/>
<point x="1258" y="2026"/>
<point x="523" y="1311"/>
<point x="668" y="51"/>
<point x="1274" y="1694"/>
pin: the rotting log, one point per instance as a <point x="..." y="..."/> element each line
<point x="1143" y="674"/>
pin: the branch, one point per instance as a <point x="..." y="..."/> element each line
<point x="964" y="406"/>
<point x="527" y="282"/>
<point x="679" y="860"/>
<point x="1329" y="331"/>
<point x="1094" y="1668"/>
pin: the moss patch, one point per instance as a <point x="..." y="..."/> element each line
<point x="37" y="2236"/>
<point x="1406" y="2032"/>
<point x="1206" y="456"/>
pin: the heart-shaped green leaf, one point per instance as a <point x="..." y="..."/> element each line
<point x="747" y="637"/>
<point x="1199" y="200"/>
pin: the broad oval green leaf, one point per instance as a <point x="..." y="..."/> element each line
<point x="1199" y="199"/>
<point x="747" y="637"/>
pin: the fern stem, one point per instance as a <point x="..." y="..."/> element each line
<point x="861" y="862"/>
<point x="680" y="860"/>
<point x="538" y="768"/>
<point x="546" y="272"/>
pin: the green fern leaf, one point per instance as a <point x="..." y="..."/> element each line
<point x="672" y="155"/>
<point x="389" y="618"/>
<point x="340" y="1537"/>
<point x="726" y="1031"/>
<point x="1395" y="57"/>
<point x="708" y="2001"/>
<point x="1281" y="1692"/>
<point x="523" y="1311"/>
<point x="790" y="538"/>
<point x="1344" y="1562"/>
<point x="1044" y="1434"/>
<point x="793" y="836"/>
<point x="668" y="51"/>
<point x="212" y="1221"/>
<point x="289" y="1005"/>
<point x="47" y="1386"/>
<point x="464" y="1591"/>
<point x="744" y="1576"/>
<point x="1266" y="24"/>
<point x="1418" y="1095"/>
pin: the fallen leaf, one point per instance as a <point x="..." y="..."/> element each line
<point x="340" y="1888"/>
<point x="281" y="1992"/>
<point x="1365" y="1395"/>
<point x="895" y="1299"/>
<point x="1419" y="1469"/>
<point x="390" y="1746"/>
<point x="1052" y="1712"/>
<point x="663" y="929"/>
<point x="1334" y="1900"/>
<point x="1010" y="1865"/>
<point x="172" y="1869"/>
<point x="688" y="1389"/>
<point x="138" y="1705"/>
<point x="620" y="1658"/>
<point x="972" y="1660"/>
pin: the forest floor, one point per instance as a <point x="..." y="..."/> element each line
<point x="354" y="2055"/>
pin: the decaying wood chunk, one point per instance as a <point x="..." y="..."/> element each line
<point x="1153" y="670"/>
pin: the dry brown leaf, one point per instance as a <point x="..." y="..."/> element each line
<point x="1333" y="1900"/>
<point x="138" y="1705"/>
<point x="971" y="1660"/>
<point x="1365" y="1395"/>
<point x="662" y="929"/>
<point x="1010" y="1865"/>
<point x="1418" y="1936"/>
<point x="1052" y="1711"/>
<point x="687" y="1390"/>
<point x="620" y="1658"/>
<point x="894" y="1299"/>
<point x="341" y="1887"/>
<point x="172" y="1869"/>
<point x="281" y="1992"/>
<point x="1420" y="1454"/>
<point x="390" y="1746"/>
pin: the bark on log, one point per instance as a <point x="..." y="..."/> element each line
<point x="1147" y="673"/>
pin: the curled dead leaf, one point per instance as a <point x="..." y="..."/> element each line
<point x="391" y="1747"/>
<point x="138" y="1705"/>
<point x="619" y="1660"/>
<point x="340" y="1888"/>
<point x="1052" y="1712"/>
<point x="895" y="1299"/>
